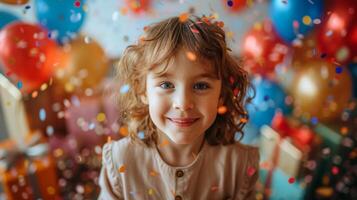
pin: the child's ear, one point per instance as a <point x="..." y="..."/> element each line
<point x="144" y="99"/>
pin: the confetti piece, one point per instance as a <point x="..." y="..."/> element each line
<point x="235" y="92"/>
<point x="222" y="110"/>
<point x="295" y="24"/>
<point x="317" y="21"/>
<point x="329" y="33"/>
<point x="342" y="53"/>
<point x="183" y="17"/>
<point x="291" y="180"/>
<point x="123" y="131"/>
<point x="324" y="191"/>
<point x="251" y="171"/>
<point x="335" y="170"/>
<point x="51" y="190"/>
<point x="100" y="117"/>
<point x="230" y="34"/>
<point x="191" y="56"/>
<point x="153" y="173"/>
<point x="91" y="126"/>
<point x="244" y="120"/>
<point x="19" y="84"/>
<point x="164" y="143"/>
<point x="306" y="20"/>
<point x="339" y="70"/>
<point x="194" y="30"/>
<point x="344" y="130"/>
<point x="77" y="4"/>
<point x="231" y="80"/>
<point x="49" y="130"/>
<point x="124" y="11"/>
<point x="121" y="169"/>
<point x="266" y="98"/>
<point x="141" y="135"/>
<point x="314" y="120"/>
<point x="124" y="89"/>
<point x="42" y="114"/>
<point x="151" y="191"/>
<point x="284" y="1"/>
<point x="27" y="7"/>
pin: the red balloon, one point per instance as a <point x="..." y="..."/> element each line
<point x="138" y="6"/>
<point x="337" y="36"/>
<point x="27" y="52"/>
<point x="235" y="5"/>
<point x="263" y="49"/>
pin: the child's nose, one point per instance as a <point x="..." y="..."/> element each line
<point x="183" y="101"/>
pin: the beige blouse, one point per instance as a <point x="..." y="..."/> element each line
<point x="134" y="171"/>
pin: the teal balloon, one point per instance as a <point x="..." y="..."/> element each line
<point x="269" y="98"/>
<point x="63" y="18"/>
<point x="6" y="18"/>
<point x="284" y="13"/>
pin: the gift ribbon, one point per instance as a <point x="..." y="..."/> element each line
<point x="281" y="125"/>
<point x="32" y="150"/>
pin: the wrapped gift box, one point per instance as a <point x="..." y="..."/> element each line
<point x="29" y="173"/>
<point x="13" y="122"/>
<point x="289" y="157"/>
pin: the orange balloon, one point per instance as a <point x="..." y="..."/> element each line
<point x="87" y="65"/>
<point x="27" y="52"/>
<point x="321" y="89"/>
<point x="14" y="2"/>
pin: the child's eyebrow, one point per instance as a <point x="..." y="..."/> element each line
<point x="203" y="75"/>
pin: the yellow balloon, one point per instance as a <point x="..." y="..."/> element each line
<point x="86" y="65"/>
<point x="14" y="2"/>
<point x="320" y="89"/>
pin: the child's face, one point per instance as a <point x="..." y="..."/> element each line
<point x="182" y="103"/>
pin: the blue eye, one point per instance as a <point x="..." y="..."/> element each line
<point x="165" y="84"/>
<point x="197" y="86"/>
<point x="201" y="86"/>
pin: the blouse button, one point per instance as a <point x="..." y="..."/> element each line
<point x="179" y="173"/>
<point x="178" y="197"/>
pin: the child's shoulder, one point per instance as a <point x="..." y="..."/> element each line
<point x="119" y="150"/>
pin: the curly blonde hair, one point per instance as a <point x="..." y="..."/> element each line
<point x="206" y="39"/>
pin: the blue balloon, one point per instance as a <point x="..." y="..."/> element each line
<point x="61" y="17"/>
<point x="269" y="98"/>
<point x="284" y="13"/>
<point x="6" y="17"/>
<point x="353" y="69"/>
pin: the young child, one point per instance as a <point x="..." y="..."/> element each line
<point x="184" y="105"/>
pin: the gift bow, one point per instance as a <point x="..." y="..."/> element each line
<point x="31" y="150"/>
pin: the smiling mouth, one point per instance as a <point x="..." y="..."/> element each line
<point x="183" y="122"/>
